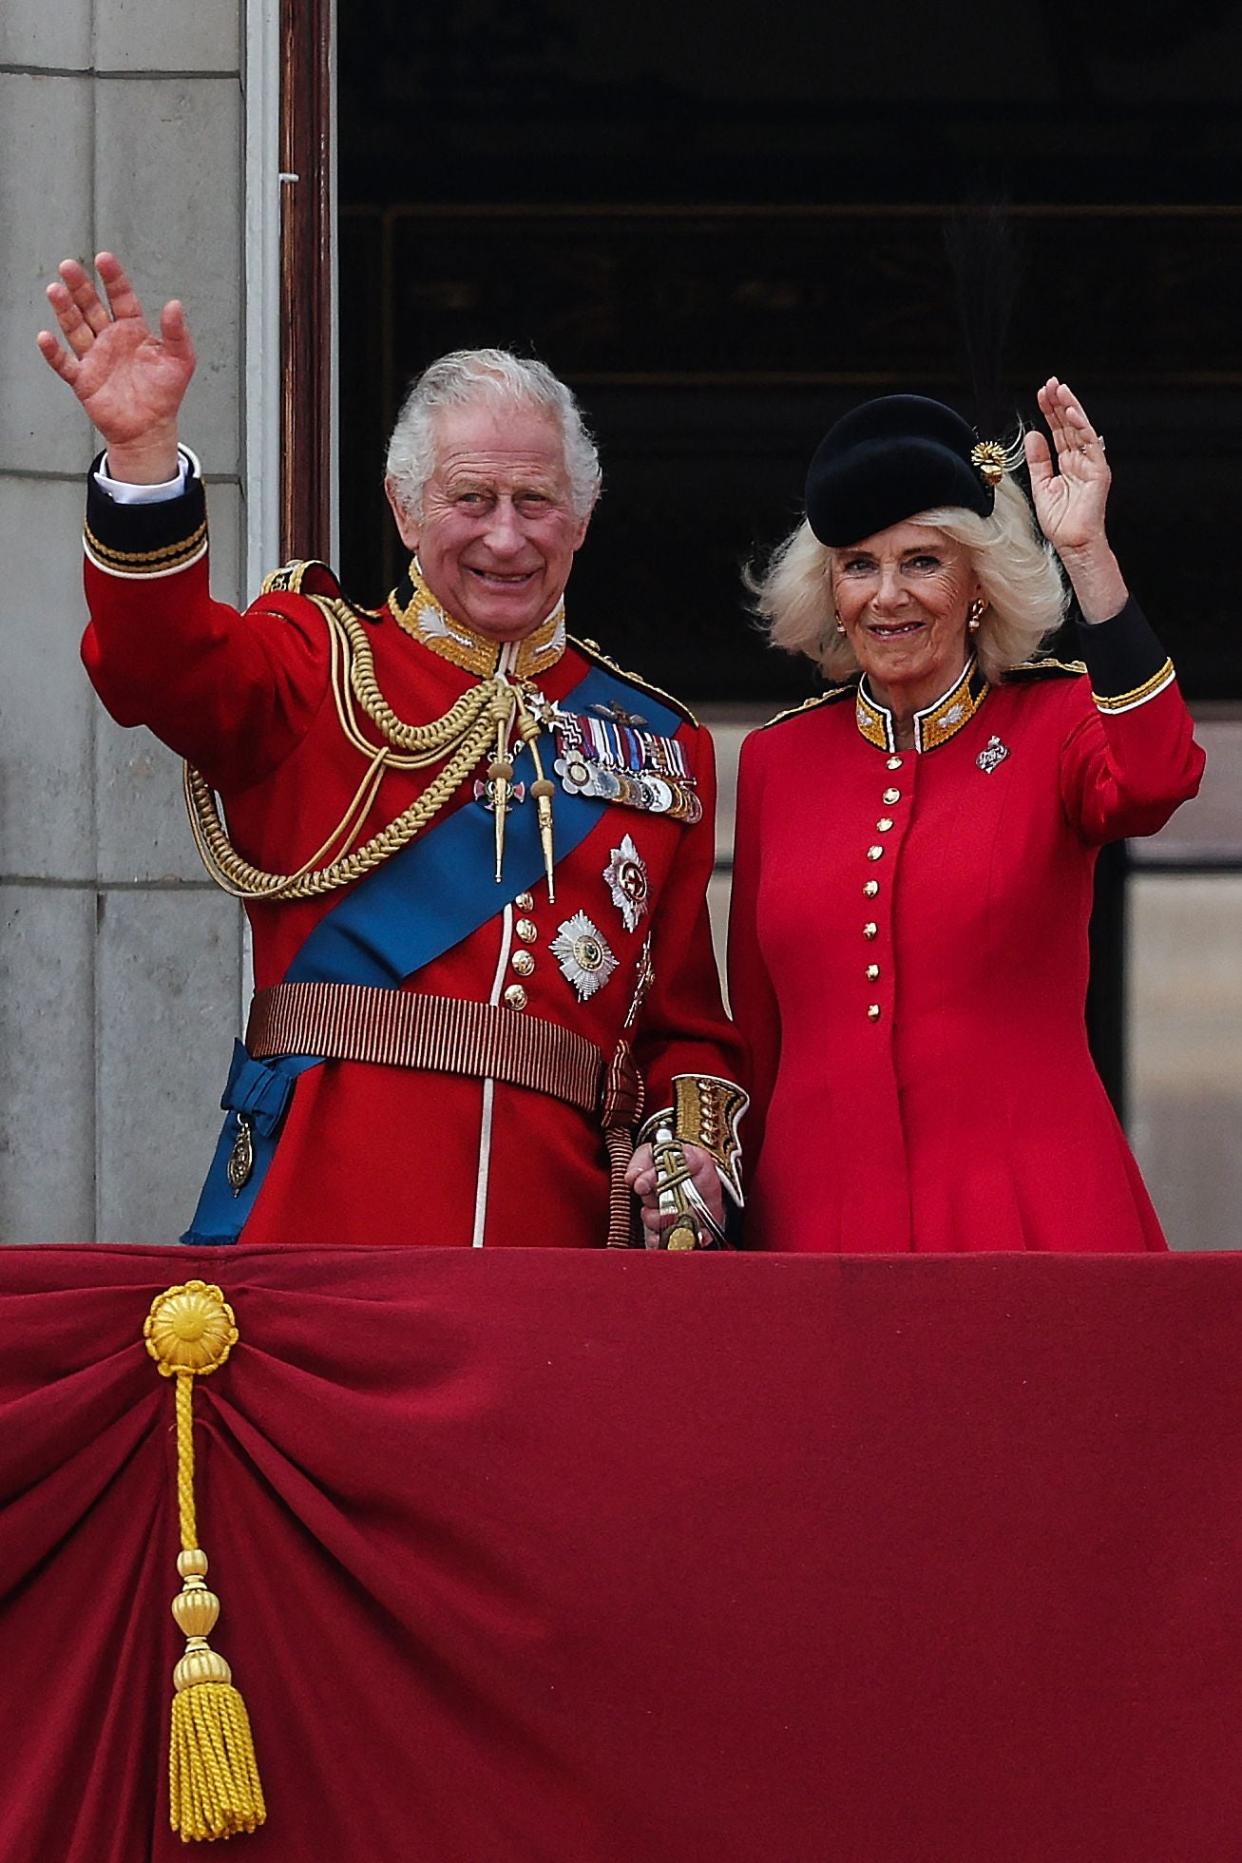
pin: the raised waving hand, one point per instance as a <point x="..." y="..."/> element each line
<point x="130" y="380"/>
<point x="1071" y="496"/>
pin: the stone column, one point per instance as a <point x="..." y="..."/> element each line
<point x="121" y="125"/>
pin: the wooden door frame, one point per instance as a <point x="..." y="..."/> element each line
<point x="307" y="295"/>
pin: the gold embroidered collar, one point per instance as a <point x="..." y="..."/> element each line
<point x="416" y="609"/>
<point x="935" y="724"/>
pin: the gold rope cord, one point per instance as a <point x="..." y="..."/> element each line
<point x="462" y="735"/>
<point x="186" y="1515"/>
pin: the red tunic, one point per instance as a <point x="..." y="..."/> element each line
<point x="370" y="1153"/>
<point x="908" y="960"/>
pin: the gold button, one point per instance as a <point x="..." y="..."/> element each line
<point x="873" y="971"/>
<point x="871" y="889"/>
<point x="523" y="963"/>
<point x="870" y="929"/>
<point x="875" y="853"/>
<point x="515" y="996"/>
<point x="527" y="930"/>
<point x="894" y="763"/>
<point x="891" y="795"/>
<point x="873" y="1012"/>
<point x="525" y="902"/>
<point x="884" y="824"/>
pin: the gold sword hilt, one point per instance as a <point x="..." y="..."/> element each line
<point x="692" y="1225"/>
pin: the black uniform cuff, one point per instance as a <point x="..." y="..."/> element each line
<point x="147" y="539"/>
<point x="1127" y="664"/>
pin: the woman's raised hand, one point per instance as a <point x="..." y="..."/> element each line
<point x="1070" y="496"/>
<point x="130" y="381"/>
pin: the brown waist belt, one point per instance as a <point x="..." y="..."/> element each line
<point x="444" y="1035"/>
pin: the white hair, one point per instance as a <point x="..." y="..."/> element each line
<point x="1018" y="572"/>
<point x="465" y="376"/>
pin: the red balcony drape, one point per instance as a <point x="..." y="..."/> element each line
<point x="559" y="1557"/>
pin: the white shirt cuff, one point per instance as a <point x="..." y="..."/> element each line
<point x="123" y="493"/>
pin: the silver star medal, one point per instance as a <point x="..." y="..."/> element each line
<point x="583" y="955"/>
<point x="626" y="879"/>
<point x="992" y="755"/>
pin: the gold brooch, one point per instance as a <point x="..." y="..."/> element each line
<point x="988" y="459"/>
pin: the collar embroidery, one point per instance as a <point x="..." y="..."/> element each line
<point x="416" y="609"/>
<point x="935" y="724"/>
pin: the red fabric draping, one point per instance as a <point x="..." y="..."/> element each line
<point x="560" y="1557"/>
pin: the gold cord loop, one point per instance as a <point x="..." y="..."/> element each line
<point x="479" y="723"/>
<point x="461" y="735"/>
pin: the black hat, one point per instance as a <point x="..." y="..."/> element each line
<point x="890" y="458"/>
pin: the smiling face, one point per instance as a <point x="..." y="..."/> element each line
<point x="497" y="534"/>
<point x="903" y="597"/>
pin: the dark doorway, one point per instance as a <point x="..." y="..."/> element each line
<point x="723" y="230"/>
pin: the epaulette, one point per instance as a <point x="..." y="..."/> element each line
<point x="833" y="696"/>
<point x="594" y="651"/>
<point x="1045" y="667"/>
<point x="314" y="578"/>
<point x="309" y="578"/>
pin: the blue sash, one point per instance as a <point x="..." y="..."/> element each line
<point x="417" y="905"/>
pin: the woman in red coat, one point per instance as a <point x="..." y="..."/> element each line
<point x="915" y="848"/>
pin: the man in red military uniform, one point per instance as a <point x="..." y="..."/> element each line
<point x="474" y="852"/>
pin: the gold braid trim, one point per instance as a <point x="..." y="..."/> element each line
<point x="168" y="553"/>
<point x="462" y="735"/>
<point x="1138" y="695"/>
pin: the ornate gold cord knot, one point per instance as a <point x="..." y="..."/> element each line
<point x="190" y="1328"/>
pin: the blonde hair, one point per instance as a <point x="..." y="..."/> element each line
<point x="1018" y="572"/>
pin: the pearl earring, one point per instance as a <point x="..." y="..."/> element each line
<point x="975" y="615"/>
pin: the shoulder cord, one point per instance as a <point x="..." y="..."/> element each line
<point x="463" y="735"/>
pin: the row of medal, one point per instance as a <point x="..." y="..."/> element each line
<point x="614" y="760"/>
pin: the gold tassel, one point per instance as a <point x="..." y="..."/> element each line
<point x="500" y="774"/>
<point x="542" y="789"/>
<point x="213" y="1776"/>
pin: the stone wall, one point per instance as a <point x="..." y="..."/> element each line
<point x="121" y="125"/>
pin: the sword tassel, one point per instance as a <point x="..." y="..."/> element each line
<point x="500" y="776"/>
<point x="542" y="789"/>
